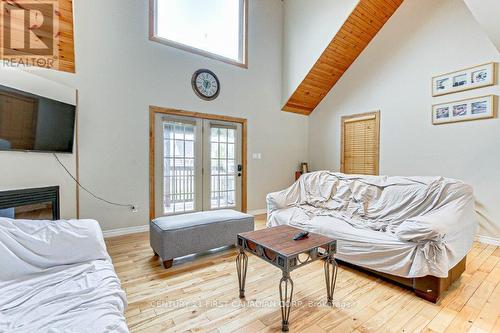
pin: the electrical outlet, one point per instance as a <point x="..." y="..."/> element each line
<point x="257" y="156"/>
<point x="135" y="209"/>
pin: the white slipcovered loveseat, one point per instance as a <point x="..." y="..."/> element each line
<point x="56" y="276"/>
<point x="408" y="227"/>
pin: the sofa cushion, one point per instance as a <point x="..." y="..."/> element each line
<point x="180" y="235"/>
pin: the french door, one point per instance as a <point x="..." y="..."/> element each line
<point x="198" y="163"/>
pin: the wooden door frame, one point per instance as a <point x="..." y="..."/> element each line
<point x="153" y="110"/>
<point x="361" y="116"/>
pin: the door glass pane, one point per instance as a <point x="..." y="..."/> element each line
<point x="230" y="198"/>
<point x="178" y="171"/>
<point x="230" y="151"/>
<point x="230" y="136"/>
<point x="222" y="168"/>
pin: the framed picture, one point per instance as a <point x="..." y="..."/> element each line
<point x="464" y="110"/>
<point x="304" y="167"/>
<point x="470" y="78"/>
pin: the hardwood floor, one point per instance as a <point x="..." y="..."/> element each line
<point x="200" y="294"/>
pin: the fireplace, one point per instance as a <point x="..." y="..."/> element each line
<point x="30" y="203"/>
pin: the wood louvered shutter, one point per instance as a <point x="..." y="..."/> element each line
<point x="360" y="144"/>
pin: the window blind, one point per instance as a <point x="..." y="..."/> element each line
<point x="360" y="144"/>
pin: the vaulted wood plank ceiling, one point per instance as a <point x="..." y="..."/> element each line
<point x="365" y="21"/>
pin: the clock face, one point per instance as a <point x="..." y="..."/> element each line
<point x="205" y="84"/>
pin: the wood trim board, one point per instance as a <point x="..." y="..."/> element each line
<point x="155" y="110"/>
<point x="77" y="158"/>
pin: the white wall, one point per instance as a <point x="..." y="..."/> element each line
<point x="21" y="169"/>
<point x="487" y="14"/>
<point x="309" y="26"/>
<point x="120" y="73"/>
<point x="424" y="38"/>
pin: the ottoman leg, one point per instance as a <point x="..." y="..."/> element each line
<point x="168" y="263"/>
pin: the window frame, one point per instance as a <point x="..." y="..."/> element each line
<point x="243" y="43"/>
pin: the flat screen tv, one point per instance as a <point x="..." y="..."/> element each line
<point x="30" y="122"/>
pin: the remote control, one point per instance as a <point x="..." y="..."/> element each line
<point x="301" y="235"/>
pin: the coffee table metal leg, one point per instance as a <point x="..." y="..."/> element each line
<point x="241" y="267"/>
<point x="286" y="293"/>
<point x="330" y="277"/>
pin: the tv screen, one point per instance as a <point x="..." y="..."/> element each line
<point x="34" y="123"/>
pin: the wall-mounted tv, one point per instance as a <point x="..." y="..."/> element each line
<point x="30" y="122"/>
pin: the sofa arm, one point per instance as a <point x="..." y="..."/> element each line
<point x="33" y="246"/>
<point x="284" y="198"/>
<point x="451" y="219"/>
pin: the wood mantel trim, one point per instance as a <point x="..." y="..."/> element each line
<point x="362" y="25"/>
<point x="156" y="109"/>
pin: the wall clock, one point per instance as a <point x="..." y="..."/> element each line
<point x="205" y="84"/>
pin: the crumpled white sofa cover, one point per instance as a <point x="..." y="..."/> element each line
<point x="405" y="226"/>
<point x="56" y="276"/>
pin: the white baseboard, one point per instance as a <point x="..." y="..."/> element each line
<point x="144" y="228"/>
<point x="257" y="211"/>
<point x="488" y="240"/>
<point x="125" y="231"/>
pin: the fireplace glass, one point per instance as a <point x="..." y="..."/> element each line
<point x="42" y="211"/>
<point x="30" y="203"/>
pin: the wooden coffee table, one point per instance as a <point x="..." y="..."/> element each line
<point x="277" y="247"/>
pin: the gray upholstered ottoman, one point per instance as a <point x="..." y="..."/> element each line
<point x="180" y="235"/>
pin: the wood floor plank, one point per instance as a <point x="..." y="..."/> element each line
<point x="200" y="294"/>
<point x="464" y="319"/>
<point x="489" y="313"/>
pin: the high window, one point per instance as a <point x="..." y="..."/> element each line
<point x="215" y="28"/>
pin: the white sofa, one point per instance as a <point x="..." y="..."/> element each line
<point x="56" y="276"/>
<point x="407" y="227"/>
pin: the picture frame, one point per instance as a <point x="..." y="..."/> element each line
<point x="304" y="167"/>
<point x="470" y="78"/>
<point x="483" y="107"/>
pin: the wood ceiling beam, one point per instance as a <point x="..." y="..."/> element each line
<point x="362" y="25"/>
